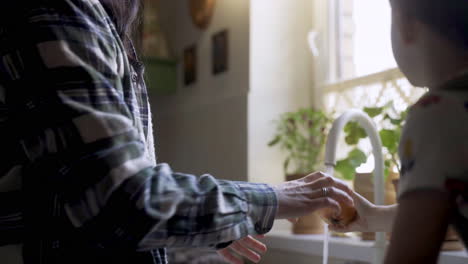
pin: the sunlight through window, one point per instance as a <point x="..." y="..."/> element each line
<point x="372" y="45"/>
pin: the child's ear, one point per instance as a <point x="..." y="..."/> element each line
<point x="408" y="27"/>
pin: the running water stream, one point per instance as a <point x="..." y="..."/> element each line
<point x="325" y="244"/>
<point x="329" y="170"/>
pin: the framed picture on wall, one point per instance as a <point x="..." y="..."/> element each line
<point x="201" y="12"/>
<point x="190" y="65"/>
<point x="220" y="52"/>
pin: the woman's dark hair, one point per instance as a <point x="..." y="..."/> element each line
<point x="447" y="17"/>
<point x="126" y="17"/>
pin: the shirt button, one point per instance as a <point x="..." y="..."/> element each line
<point x="134" y="77"/>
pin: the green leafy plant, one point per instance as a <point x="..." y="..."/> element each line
<point x="391" y="123"/>
<point x="302" y="136"/>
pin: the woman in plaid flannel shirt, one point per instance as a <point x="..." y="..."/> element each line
<point x="79" y="180"/>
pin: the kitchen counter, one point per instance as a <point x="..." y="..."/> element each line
<point x="349" y="249"/>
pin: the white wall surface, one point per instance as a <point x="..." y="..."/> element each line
<point x="203" y="127"/>
<point x="281" y="77"/>
<point x="222" y="124"/>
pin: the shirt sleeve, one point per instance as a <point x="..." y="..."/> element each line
<point x="433" y="146"/>
<point x="66" y="78"/>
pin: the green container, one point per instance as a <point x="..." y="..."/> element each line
<point x="161" y="76"/>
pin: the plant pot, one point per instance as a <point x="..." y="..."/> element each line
<point x="452" y="241"/>
<point x="364" y="185"/>
<point x="309" y="224"/>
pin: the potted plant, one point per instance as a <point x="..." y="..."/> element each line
<point x="391" y="123"/>
<point x="301" y="135"/>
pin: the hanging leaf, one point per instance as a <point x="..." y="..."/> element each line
<point x="345" y="169"/>
<point x="275" y="141"/>
<point x="357" y="157"/>
<point x="373" y="111"/>
<point x="286" y="164"/>
<point x="388" y="165"/>
<point x="386" y="172"/>
<point x="390" y="139"/>
<point x="354" y="132"/>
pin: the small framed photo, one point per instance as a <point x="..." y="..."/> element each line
<point x="190" y="65"/>
<point x="220" y="52"/>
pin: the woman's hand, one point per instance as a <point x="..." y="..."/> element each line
<point x="311" y="193"/>
<point x="247" y="247"/>
<point x="361" y="224"/>
<point x="370" y="218"/>
<point x="295" y="199"/>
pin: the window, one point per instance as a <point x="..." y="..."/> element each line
<point x="362" y="70"/>
<point x="372" y="44"/>
<point x="362" y="38"/>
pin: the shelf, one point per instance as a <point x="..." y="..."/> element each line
<point x="341" y="248"/>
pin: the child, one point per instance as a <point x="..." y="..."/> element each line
<point x="430" y="45"/>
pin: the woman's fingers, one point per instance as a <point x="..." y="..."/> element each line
<point x="313" y="192"/>
<point x="328" y="181"/>
<point x="252" y="243"/>
<point x="364" y="208"/>
<point x="336" y="189"/>
<point x="313" y="177"/>
<point x="325" y="202"/>
<point x="332" y="192"/>
<point x="240" y="249"/>
<point x="228" y="256"/>
<point x="246" y="247"/>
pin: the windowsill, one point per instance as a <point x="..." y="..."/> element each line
<point x="341" y="248"/>
<point x="378" y="77"/>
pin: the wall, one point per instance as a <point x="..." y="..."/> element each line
<point x="203" y="127"/>
<point x="281" y="77"/>
<point x="222" y="124"/>
<point x="281" y="80"/>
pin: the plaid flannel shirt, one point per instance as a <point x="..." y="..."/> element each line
<point x="82" y="184"/>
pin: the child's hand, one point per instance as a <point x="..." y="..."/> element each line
<point x="365" y="216"/>
<point x="248" y="247"/>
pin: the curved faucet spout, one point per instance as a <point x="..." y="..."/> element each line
<point x="330" y="160"/>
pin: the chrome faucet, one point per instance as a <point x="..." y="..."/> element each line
<point x="365" y="122"/>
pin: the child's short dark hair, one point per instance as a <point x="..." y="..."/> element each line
<point x="447" y="17"/>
